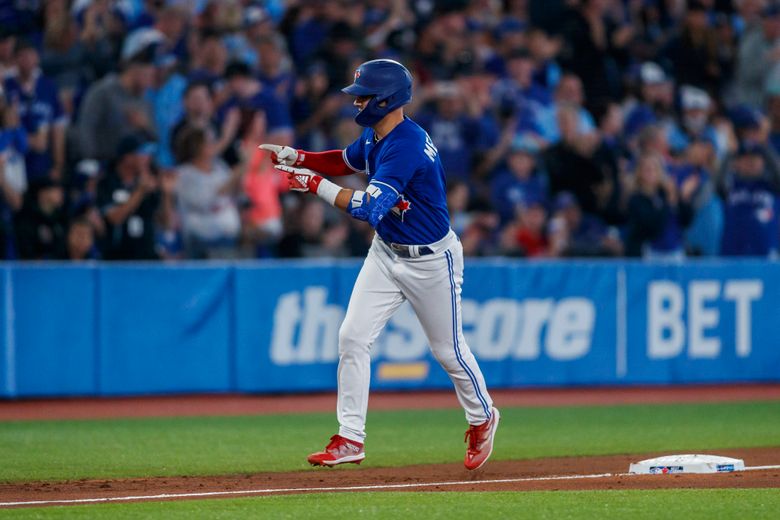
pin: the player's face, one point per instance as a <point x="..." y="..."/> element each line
<point x="361" y="101"/>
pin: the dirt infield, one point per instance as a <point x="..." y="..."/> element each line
<point x="171" y="406"/>
<point x="522" y="475"/>
<point x="569" y="473"/>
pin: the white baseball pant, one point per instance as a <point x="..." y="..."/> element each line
<point x="432" y="285"/>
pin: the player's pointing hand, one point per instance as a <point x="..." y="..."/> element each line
<point x="281" y="154"/>
<point x="301" y="179"/>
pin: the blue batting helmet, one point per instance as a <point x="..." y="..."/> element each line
<point x="389" y="84"/>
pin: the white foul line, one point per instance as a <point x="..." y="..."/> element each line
<point x="270" y="491"/>
<point x="307" y="489"/>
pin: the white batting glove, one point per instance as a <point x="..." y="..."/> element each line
<point x="285" y="155"/>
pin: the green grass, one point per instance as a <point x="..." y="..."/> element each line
<point x="708" y="504"/>
<point x="32" y="450"/>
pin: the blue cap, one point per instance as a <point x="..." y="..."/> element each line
<point x="524" y="142"/>
<point x="511" y="25"/>
<point x="744" y="117"/>
<point x="749" y="148"/>
<point x="565" y="200"/>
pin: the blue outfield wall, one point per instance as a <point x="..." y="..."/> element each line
<point x="113" y="329"/>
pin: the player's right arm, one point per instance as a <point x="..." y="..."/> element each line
<point x="332" y="163"/>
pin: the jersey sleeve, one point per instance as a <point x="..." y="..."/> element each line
<point x="398" y="164"/>
<point x="355" y="154"/>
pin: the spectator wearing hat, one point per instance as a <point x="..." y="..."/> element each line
<point x="758" y="54"/>
<point x="41" y="114"/>
<point x="116" y="106"/>
<point x="520" y="180"/>
<point x="576" y="234"/>
<point x="128" y="198"/>
<point x="41" y="223"/>
<point x="658" y="212"/>
<point x="753" y="129"/>
<point x="694" y="122"/>
<point x="656" y="103"/>
<point x="750" y="194"/>
<point x="703" y="237"/>
<point x="520" y="95"/>
<point x="257" y="25"/>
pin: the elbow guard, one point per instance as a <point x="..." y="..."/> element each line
<point x="371" y="205"/>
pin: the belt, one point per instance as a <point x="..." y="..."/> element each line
<point x="410" y="251"/>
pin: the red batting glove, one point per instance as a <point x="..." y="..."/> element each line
<point x="301" y="179"/>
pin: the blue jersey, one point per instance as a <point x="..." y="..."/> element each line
<point x="406" y="162"/>
<point x="751" y="223"/>
<point x="40" y="108"/>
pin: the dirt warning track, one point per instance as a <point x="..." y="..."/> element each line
<point x="564" y="473"/>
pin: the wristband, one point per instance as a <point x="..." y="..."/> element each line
<point x="328" y="191"/>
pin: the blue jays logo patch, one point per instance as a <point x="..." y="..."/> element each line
<point x="401" y="207"/>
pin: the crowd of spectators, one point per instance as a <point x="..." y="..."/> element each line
<point x="644" y="128"/>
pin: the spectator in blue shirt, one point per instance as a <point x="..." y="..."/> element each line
<point x="520" y="181"/>
<point x="41" y="115"/>
<point x="209" y="60"/>
<point x="13" y="180"/>
<point x="518" y="92"/>
<point x="774" y="117"/>
<point x="453" y="129"/>
<point x="568" y="92"/>
<point x="752" y="226"/>
<point x="276" y="75"/>
<point x="247" y="93"/>
<point x="704" y="235"/>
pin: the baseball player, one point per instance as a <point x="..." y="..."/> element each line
<point x="414" y="257"/>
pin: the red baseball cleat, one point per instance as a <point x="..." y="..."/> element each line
<point x="338" y="451"/>
<point x="480" y="441"/>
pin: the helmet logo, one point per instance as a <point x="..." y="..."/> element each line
<point x="357" y="74"/>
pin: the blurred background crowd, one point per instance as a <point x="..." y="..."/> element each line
<point x="567" y="128"/>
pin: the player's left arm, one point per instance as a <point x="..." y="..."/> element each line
<point x="371" y="205"/>
<point x="397" y="167"/>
